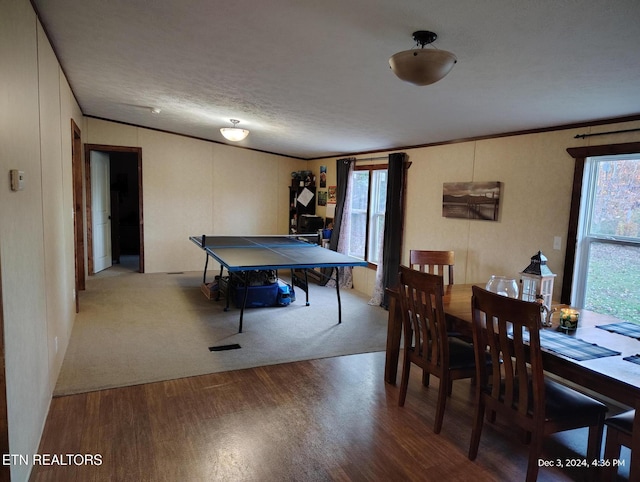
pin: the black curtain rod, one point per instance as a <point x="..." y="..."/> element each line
<point x="381" y="158"/>
<point x="582" y="136"/>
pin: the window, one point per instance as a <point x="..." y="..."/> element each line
<point x="368" y="204"/>
<point x="607" y="269"/>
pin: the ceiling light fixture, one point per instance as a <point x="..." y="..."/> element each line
<point x="234" y="133"/>
<point x="422" y="66"/>
<point x="155" y="110"/>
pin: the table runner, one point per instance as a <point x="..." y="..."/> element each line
<point x="633" y="359"/>
<point x="625" y="328"/>
<point x="572" y="347"/>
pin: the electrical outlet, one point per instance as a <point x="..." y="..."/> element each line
<point x="557" y="243"/>
<point x="17" y="180"/>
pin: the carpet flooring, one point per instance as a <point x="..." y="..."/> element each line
<point x="137" y="328"/>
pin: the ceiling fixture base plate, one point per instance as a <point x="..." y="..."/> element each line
<point x="424" y="37"/>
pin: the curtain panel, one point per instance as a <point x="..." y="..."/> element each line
<point x="393" y="222"/>
<point x="344" y="168"/>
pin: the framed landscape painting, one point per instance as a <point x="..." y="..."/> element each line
<point x="471" y="200"/>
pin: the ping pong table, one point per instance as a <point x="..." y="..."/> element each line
<point x="240" y="255"/>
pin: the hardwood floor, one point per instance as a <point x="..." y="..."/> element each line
<point x="318" y="420"/>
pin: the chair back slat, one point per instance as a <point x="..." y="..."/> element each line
<point x="433" y="262"/>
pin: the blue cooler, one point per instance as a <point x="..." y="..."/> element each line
<point x="257" y="297"/>
<point x="284" y="294"/>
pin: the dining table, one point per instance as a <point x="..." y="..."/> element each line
<point x="603" y="361"/>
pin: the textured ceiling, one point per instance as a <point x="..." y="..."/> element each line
<point x="311" y="79"/>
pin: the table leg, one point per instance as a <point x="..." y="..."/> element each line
<point x="220" y="287"/>
<point x="306" y="283"/>
<point x="338" y="294"/>
<point x="229" y="284"/>
<point x="302" y="284"/>
<point x="244" y="298"/>
<point x="206" y="263"/>
<point x="394" y="332"/>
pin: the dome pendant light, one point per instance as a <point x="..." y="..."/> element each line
<point x="234" y="133"/>
<point x="422" y="66"/>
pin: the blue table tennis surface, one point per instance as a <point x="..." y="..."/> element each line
<point x="244" y="253"/>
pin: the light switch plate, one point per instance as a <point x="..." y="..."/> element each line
<point x="17" y="180"/>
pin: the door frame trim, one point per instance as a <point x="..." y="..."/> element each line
<point x="87" y="174"/>
<point x="78" y="218"/>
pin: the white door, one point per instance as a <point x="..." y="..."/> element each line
<point x="101" y="210"/>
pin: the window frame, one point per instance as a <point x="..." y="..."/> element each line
<point x="586" y="235"/>
<point x="580" y="154"/>
<point x="370" y="168"/>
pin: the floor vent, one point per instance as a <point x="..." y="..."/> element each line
<point x="234" y="346"/>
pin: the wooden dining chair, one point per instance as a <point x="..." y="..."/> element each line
<point x="426" y="342"/>
<point x="622" y="429"/>
<point x="519" y="391"/>
<point x="433" y="262"/>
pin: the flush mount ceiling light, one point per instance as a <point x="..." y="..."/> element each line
<point x="234" y="133"/>
<point x="422" y="66"/>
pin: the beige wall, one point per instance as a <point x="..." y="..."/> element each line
<point x="57" y="107"/>
<point x="36" y="231"/>
<point x="537" y="176"/>
<point x="193" y="187"/>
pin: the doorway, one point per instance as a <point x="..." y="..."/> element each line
<point x="121" y="235"/>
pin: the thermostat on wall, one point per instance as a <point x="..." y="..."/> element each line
<point x="17" y="180"/>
